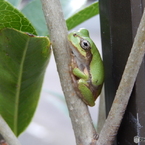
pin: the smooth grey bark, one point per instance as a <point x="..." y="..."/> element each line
<point x="81" y="121"/>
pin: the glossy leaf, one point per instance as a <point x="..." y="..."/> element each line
<point x="23" y="61"/>
<point x="82" y="15"/>
<point x="36" y="17"/>
<point x="10" y="17"/>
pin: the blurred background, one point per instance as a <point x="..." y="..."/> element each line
<point x="51" y="124"/>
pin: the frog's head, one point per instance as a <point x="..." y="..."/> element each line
<point x="81" y="44"/>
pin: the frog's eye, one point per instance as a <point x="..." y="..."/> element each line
<point x="85" y="44"/>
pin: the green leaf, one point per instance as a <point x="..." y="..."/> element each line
<point x="37" y="17"/>
<point x="82" y="15"/>
<point x="23" y="61"/>
<point x="12" y="18"/>
<point x="33" y="11"/>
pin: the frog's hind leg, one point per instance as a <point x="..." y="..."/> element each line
<point x="86" y="94"/>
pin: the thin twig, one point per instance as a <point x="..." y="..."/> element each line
<point x="82" y="124"/>
<point x="7" y="133"/>
<point x="116" y="113"/>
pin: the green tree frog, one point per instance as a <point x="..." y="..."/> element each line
<point x="87" y="69"/>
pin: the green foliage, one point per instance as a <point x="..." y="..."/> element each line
<point x="12" y="18"/>
<point x="22" y="67"/>
<point x="24" y="58"/>
<point x="33" y="11"/>
<point x="37" y="17"/>
<point x="82" y="15"/>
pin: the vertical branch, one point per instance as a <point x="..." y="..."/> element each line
<point x="7" y="134"/>
<point x="80" y="117"/>
<point x="116" y="113"/>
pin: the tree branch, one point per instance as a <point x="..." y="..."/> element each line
<point x="7" y="134"/>
<point x="82" y="123"/>
<point x="118" y="108"/>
